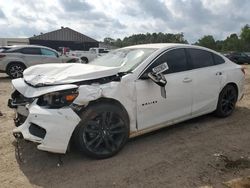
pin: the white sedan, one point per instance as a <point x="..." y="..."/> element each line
<point x="126" y="93"/>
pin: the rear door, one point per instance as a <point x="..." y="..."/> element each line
<point x="152" y="108"/>
<point x="207" y="76"/>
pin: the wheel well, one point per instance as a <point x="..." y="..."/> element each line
<point x="235" y="87"/>
<point x="101" y="100"/>
<point x="10" y="63"/>
<point x="112" y="101"/>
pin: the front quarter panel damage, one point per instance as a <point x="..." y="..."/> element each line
<point x="123" y="91"/>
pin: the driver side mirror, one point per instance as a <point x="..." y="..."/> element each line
<point x="157" y="77"/>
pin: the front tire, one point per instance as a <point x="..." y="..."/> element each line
<point x="103" y="130"/>
<point x="84" y="60"/>
<point x="227" y="101"/>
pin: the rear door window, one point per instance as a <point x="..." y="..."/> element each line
<point x="200" y="58"/>
<point x="31" y="51"/>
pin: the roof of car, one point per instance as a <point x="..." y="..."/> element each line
<point x="170" y="45"/>
<point x="27" y="45"/>
<point x="157" y="45"/>
<point x="164" y="45"/>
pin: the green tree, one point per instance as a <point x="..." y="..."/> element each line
<point x="147" y="38"/>
<point x="118" y="43"/>
<point x="232" y="43"/>
<point x="245" y="33"/>
<point x="207" y="41"/>
<point x="219" y="45"/>
<point x="245" y="37"/>
<point x="109" y="41"/>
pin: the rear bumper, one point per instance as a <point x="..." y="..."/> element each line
<point x="50" y="128"/>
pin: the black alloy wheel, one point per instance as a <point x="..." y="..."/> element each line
<point x="103" y="131"/>
<point x="227" y="101"/>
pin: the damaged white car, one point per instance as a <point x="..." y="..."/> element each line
<point x="128" y="92"/>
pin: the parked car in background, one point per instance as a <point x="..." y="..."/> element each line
<point x="247" y="53"/>
<point x="239" y="57"/>
<point x="87" y="56"/>
<point x="15" y="59"/>
<point x="126" y="93"/>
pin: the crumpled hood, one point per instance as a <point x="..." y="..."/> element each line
<point x="54" y="74"/>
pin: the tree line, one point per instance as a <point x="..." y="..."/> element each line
<point x="233" y="42"/>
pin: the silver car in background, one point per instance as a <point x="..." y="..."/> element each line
<point x="15" y="59"/>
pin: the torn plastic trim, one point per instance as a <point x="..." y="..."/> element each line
<point x="104" y="80"/>
<point x="17" y="99"/>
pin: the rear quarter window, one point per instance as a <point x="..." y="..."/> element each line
<point x="218" y="59"/>
<point x="47" y="52"/>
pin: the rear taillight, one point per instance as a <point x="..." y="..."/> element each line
<point x="243" y="70"/>
<point x="1" y="56"/>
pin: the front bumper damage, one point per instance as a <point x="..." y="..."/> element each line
<point x="50" y="128"/>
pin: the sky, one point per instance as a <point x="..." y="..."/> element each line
<point x="119" y="18"/>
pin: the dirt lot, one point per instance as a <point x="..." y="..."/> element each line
<point x="185" y="155"/>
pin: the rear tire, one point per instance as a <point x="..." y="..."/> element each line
<point x="227" y="100"/>
<point x="103" y="130"/>
<point x="15" y="69"/>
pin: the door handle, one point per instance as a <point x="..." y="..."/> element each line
<point x="187" y="80"/>
<point x="218" y="73"/>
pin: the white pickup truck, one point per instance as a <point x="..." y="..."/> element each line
<point x="87" y="56"/>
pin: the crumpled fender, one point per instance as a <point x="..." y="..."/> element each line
<point x="123" y="91"/>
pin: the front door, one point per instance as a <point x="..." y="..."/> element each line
<point x="152" y="108"/>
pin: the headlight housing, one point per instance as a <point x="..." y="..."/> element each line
<point x="58" y="99"/>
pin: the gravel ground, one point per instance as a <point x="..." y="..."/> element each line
<point x="203" y="151"/>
